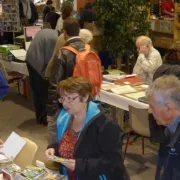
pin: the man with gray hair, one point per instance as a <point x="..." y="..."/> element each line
<point x="148" y="60"/>
<point x="164" y="103"/>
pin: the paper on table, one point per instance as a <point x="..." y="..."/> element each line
<point x="18" y="53"/>
<point x="13" y="145"/>
<point x="27" y="44"/>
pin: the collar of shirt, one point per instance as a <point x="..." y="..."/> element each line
<point x="173" y="126"/>
<point x="73" y="38"/>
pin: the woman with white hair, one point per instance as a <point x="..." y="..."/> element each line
<point x="85" y="35"/>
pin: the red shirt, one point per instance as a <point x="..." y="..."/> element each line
<point x="66" y="149"/>
<point x="167" y="6"/>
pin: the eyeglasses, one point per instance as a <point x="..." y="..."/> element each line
<point x="67" y="99"/>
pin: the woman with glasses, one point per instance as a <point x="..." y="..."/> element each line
<point x="88" y="140"/>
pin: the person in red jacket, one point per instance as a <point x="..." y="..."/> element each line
<point x="167" y="8"/>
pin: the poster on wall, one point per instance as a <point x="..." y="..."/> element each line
<point x="11" y="20"/>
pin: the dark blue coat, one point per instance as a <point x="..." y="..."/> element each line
<point x="172" y="165"/>
<point x="4" y="87"/>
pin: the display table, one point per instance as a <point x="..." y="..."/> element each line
<point x="116" y="101"/>
<point x="15" y="66"/>
<point x="120" y="101"/>
<point x="118" y="104"/>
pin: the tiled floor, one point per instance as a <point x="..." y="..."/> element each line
<point x="16" y="114"/>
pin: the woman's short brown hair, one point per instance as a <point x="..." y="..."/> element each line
<point x="75" y="84"/>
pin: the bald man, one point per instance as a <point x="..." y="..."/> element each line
<point x="149" y="59"/>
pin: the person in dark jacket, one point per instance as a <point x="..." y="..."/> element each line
<point x="63" y="67"/>
<point x="164" y="103"/>
<point x="90" y="142"/>
<point x="66" y="13"/>
<point x="171" y="66"/>
<point x="4" y="87"/>
<point x="28" y="12"/>
<point x="52" y="18"/>
<point x="38" y="55"/>
<point x="47" y="8"/>
<point x="87" y="15"/>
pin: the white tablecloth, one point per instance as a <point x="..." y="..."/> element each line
<point x="120" y="101"/>
<point x="15" y="66"/>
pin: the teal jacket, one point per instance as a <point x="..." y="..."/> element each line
<point x="98" y="148"/>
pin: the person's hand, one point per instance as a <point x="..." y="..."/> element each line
<point x="143" y="50"/>
<point x="1" y="143"/>
<point x="49" y="152"/>
<point x="50" y="119"/>
<point x="70" y="164"/>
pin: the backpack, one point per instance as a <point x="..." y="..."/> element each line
<point x="88" y="65"/>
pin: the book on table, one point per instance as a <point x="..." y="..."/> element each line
<point x="135" y="95"/>
<point x="123" y="89"/>
<point x="133" y="81"/>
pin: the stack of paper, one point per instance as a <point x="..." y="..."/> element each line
<point x="108" y="87"/>
<point x="112" y="78"/>
<point x="19" y="54"/>
<point x="135" y="95"/>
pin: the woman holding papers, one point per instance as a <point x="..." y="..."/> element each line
<point x="89" y="142"/>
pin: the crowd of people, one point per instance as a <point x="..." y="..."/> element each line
<point x="79" y="131"/>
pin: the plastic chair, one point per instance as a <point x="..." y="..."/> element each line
<point x="27" y="154"/>
<point x="10" y="76"/>
<point x="139" y="123"/>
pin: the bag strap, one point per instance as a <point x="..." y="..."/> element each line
<point x="87" y="47"/>
<point x="70" y="49"/>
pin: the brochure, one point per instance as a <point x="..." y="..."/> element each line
<point x="12" y="146"/>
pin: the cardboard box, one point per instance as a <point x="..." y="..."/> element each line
<point x="7" y="47"/>
<point x="164" y="26"/>
<point x="20" y="41"/>
<point x="163" y="42"/>
<point x="177" y="7"/>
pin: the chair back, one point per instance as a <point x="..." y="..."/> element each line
<point x="139" y="121"/>
<point x="27" y="154"/>
<point x="47" y="25"/>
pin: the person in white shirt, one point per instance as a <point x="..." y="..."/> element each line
<point x="66" y="13"/>
<point x="149" y="59"/>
